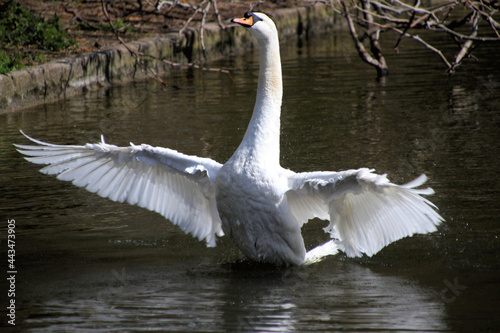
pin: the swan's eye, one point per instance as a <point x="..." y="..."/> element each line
<point x="256" y="18"/>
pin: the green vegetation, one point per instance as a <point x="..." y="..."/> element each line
<point x="9" y="63"/>
<point x="19" y="27"/>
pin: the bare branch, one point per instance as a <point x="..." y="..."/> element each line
<point x="468" y="44"/>
<point x="378" y="16"/>
<point x="418" y="39"/>
<point x="378" y="63"/>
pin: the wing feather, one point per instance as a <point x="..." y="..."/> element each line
<point x="366" y="211"/>
<point x="179" y="187"/>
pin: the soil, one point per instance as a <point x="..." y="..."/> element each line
<point x="85" y="20"/>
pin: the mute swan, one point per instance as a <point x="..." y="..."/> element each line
<point x="251" y="198"/>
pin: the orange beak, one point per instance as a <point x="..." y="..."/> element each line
<point x="246" y="22"/>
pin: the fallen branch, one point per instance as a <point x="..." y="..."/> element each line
<point x="378" y="16"/>
<point x="157" y="77"/>
<point x="177" y="65"/>
<point x="468" y="43"/>
<point x="202" y="29"/>
<point x="378" y="63"/>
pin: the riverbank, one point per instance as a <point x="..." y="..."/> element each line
<point x="118" y="64"/>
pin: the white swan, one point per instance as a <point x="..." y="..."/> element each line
<point x="251" y="198"/>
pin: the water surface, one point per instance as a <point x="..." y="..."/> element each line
<point x="85" y="263"/>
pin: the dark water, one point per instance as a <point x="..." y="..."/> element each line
<point x="87" y="264"/>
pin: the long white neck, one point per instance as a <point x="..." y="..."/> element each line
<point x="261" y="143"/>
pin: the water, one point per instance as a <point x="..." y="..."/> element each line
<point x="85" y="263"/>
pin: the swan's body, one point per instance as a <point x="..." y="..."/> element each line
<point x="251" y="198"/>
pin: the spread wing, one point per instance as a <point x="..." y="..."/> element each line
<point x="365" y="210"/>
<point x="178" y="186"/>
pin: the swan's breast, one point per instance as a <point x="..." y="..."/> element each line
<point x="255" y="215"/>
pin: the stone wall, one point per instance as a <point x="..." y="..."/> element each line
<point x="75" y="75"/>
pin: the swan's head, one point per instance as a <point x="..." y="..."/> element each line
<point x="259" y="25"/>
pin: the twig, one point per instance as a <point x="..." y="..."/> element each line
<point x="192" y="17"/>
<point x="217" y="14"/>
<point x="81" y="19"/>
<point x="328" y="3"/>
<point x="468" y="43"/>
<point x="138" y="57"/>
<point x="418" y="39"/>
<point x="117" y="35"/>
<point x="190" y="65"/>
<point x="432" y="25"/>
<point x="174" y="3"/>
<point x="399" y="16"/>
<point x="424" y="43"/>
<point x="202" y="29"/>
<point x="156" y="77"/>
<point x="410" y="23"/>
<point x="487" y="16"/>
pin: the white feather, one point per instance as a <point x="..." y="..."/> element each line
<point x="160" y="180"/>
<point x="367" y="212"/>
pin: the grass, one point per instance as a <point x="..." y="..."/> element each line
<point x="21" y="28"/>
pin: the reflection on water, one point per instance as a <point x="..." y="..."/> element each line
<point x="87" y="263"/>
<point x="242" y="297"/>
